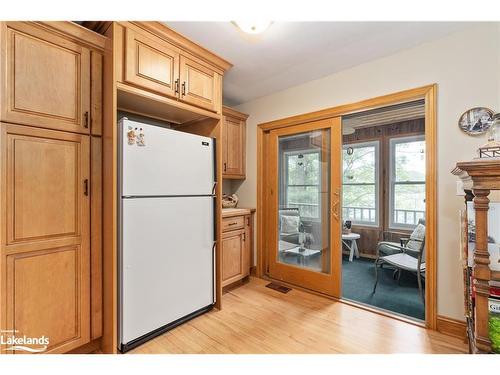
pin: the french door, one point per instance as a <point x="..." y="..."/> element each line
<point x="303" y="203"/>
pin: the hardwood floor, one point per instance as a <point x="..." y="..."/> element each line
<point x="256" y="319"/>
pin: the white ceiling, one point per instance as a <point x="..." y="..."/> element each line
<point x="291" y="53"/>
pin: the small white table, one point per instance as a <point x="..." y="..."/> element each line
<point x="352" y="246"/>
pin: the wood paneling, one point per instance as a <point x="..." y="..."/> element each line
<point x="47" y="79"/>
<point x="267" y="321"/>
<point x="46" y="246"/>
<point x="370" y="236"/>
<point x="200" y="84"/>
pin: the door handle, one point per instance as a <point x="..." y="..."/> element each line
<point x="176" y="86"/>
<point x="86" y="187"/>
<point x="336" y="205"/>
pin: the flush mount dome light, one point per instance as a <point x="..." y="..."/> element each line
<point x="253" y="27"/>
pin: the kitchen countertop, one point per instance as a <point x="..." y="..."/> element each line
<point x="228" y="212"/>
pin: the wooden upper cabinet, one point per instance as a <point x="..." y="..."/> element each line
<point x="233" y="144"/>
<point x="151" y="63"/>
<point x="45" y="236"/>
<point x="164" y="66"/>
<point x="47" y="79"/>
<point x="200" y="85"/>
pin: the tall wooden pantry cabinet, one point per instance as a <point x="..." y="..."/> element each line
<point x="50" y="194"/>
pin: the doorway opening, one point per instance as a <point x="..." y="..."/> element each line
<point x="384" y="208"/>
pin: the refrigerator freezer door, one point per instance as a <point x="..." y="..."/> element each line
<point x="160" y="161"/>
<point x="166" y="261"/>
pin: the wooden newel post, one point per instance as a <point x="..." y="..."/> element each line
<point x="481" y="270"/>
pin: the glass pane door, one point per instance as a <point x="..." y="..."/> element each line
<point x="304" y="200"/>
<point x="302" y="213"/>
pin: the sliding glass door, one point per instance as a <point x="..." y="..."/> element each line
<point x="304" y="202"/>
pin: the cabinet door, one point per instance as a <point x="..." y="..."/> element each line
<point x="45" y="235"/>
<point x="151" y="63"/>
<point x="234" y="150"/>
<point x="233" y="245"/>
<point x="200" y="85"/>
<point x="47" y="79"/>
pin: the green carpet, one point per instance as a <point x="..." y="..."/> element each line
<point x="358" y="278"/>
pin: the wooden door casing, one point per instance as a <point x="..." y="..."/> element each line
<point x="46" y="79"/>
<point x="200" y="85"/>
<point x="45" y="249"/>
<point x="151" y="63"/>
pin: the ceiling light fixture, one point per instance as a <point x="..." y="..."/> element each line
<point x="253" y="27"/>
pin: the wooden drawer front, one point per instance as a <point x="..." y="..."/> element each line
<point x="47" y="79"/>
<point x="48" y="295"/>
<point x="232" y="223"/>
<point x="233" y="245"/>
<point x="199" y="84"/>
<point x="151" y="63"/>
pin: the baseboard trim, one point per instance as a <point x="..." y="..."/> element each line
<point x="93" y="347"/>
<point x="451" y="327"/>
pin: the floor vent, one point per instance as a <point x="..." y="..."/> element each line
<point x="279" y="288"/>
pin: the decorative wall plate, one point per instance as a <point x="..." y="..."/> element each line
<point x="476" y="120"/>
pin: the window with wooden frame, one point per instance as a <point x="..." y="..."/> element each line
<point x="360" y="184"/>
<point x="407" y="182"/>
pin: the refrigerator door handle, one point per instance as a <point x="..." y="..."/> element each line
<point x="214" y="187"/>
<point x="214" y="267"/>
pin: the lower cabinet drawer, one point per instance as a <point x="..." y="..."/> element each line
<point x="232" y="223"/>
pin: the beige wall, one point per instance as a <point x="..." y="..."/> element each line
<point x="466" y="67"/>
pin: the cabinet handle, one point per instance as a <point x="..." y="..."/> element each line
<point x="86" y="117"/>
<point x="183" y="88"/>
<point x="248" y="221"/>
<point x="244" y="236"/>
<point x="225" y="167"/>
<point x="177" y="86"/>
<point x="86" y="186"/>
<point x="233" y="223"/>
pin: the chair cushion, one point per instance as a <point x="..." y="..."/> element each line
<point x="385" y="248"/>
<point x="404" y="261"/>
<point x="290" y="224"/>
<point x="416" y="238"/>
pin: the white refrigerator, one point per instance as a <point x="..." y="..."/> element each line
<point x="167" y="229"/>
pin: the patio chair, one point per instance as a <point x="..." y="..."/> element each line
<point x="410" y="257"/>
